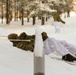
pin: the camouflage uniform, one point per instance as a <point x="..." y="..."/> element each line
<point x="27" y="44"/>
<point x="57" y="18"/>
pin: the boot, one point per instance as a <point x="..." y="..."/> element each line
<point x="68" y="57"/>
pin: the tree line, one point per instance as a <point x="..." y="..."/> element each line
<point x="43" y="9"/>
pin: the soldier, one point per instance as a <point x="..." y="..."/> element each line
<point x="62" y="47"/>
<point x="23" y="41"/>
<point x="57" y="21"/>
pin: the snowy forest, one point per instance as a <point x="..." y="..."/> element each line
<point x="43" y="9"/>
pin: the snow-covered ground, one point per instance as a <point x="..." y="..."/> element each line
<point x="14" y="61"/>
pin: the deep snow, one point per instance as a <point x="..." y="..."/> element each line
<point x="14" y="61"/>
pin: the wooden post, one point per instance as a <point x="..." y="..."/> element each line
<point x="39" y="57"/>
<point x="39" y="65"/>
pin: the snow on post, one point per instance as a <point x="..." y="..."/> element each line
<point x="39" y="62"/>
<point x="38" y="50"/>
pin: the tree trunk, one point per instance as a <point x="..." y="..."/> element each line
<point x="68" y="13"/>
<point x="34" y="20"/>
<point x="15" y="16"/>
<point x="46" y="18"/>
<point x="27" y="16"/>
<point x="2" y="11"/>
<point x="27" y="19"/>
<point x="22" y="16"/>
<point x="2" y="19"/>
<point x="43" y="21"/>
<point x="7" y="14"/>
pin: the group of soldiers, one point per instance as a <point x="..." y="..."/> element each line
<point x="26" y="42"/>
